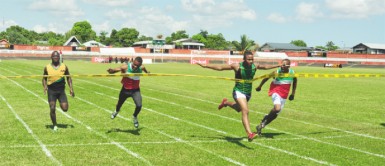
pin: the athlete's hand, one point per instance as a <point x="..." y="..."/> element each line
<point x="72" y="93"/>
<point x="291" y="97"/>
<point x="258" y="89"/>
<point x="111" y="71"/>
<point x="45" y="91"/>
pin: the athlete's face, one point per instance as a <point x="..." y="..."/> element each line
<point x="135" y="65"/>
<point x="285" y="66"/>
<point x="55" y="59"/>
<point x="249" y="59"/>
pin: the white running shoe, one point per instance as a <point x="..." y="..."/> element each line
<point x="135" y="121"/>
<point x="55" y="128"/>
<point x="114" y="114"/>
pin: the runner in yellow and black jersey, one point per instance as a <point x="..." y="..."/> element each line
<point x="54" y="83"/>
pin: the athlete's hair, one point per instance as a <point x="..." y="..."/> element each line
<point x="287" y="60"/>
<point x="246" y="53"/>
<point x="139" y="59"/>
<point x="55" y="53"/>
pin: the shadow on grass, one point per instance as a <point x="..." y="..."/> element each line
<point x="64" y="126"/>
<point x="134" y="131"/>
<point x="270" y="135"/>
<point x="382" y="124"/>
<point x="236" y="140"/>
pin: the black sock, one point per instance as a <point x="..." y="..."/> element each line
<point x="269" y="118"/>
<point x="137" y="110"/>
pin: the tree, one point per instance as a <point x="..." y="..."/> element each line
<point x="176" y="36"/>
<point x="83" y="31"/>
<point x="127" y="36"/>
<point x="17" y="35"/>
<point x="144" y="38"/>
<point x="330" y="46"/>
<point x="299" y="43"/>
<point x="217" y="42"/>
<point x="103" y="37"/>
<point x="200" y="38"/>
<point x="244" y="45"/>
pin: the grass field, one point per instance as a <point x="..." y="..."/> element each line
<point x="332" y="121"/>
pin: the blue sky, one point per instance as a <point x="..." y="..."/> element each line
<point x="345" y="22"/>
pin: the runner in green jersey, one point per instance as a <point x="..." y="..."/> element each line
<point x="242" y="90"/>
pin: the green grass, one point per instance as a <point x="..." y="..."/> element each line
<point x="332" y="121"/>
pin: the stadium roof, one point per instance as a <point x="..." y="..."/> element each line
<point x="373" y="45"/>
<point x="72" y="41"/>
<point x="284" y="46"/>
<point x="93" y="43"/>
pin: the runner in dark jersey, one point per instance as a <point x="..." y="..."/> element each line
<point x="242" y="90"/>
<point x="54" y="84"/>
<point x="130" y="87"/>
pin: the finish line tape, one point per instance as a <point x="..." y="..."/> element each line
<point x="298" y="75"/>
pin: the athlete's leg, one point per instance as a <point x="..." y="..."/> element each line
<point x="235" y="105"/>
<point x="123" y="95"/>
<point x="63" y="101"/>
<point x="52" y="97"/>
<point x="273" y="114"/>
<point x="244" y="109"/>
<point x="137" y="97"/>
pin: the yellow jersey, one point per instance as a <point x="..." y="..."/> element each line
<point x="55" y="73"/>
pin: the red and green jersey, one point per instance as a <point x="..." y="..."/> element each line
<point x="131" y="82"/>
<point x="281" y="85"/>
<point x="245" y="73"/>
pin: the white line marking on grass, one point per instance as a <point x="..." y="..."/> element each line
<point x="158" y="142"/>
<point x="329" y="143"/>
<point x="333" y="128"/>
<point x="184" y="96"/>
<point x="88" y="127"/>
<point x="208" y="151"/>
<point x="301" y="136"/>
<point x="266" y="146"/>
<point x="175" y="138"/>
<point x="41" y="144"/>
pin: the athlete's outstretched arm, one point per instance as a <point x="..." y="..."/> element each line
<point x="122" y="69"/>
<point x="267" y="67"/>
<point x="216" y="67"/>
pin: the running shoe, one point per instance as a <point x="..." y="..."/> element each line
<point x="259" y="129"/>
<point x="55" y="128"/>
<point x="114" y="114"/>
<point x="135" y="121"/>
<point x="251" y="136"/>
<point x="222" y="103"/>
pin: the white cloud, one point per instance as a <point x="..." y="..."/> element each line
<point x="113" y="3"/>
<point x="66" y="8"/>
<point x="355" y="8"/>
<point x="51" y="27"/>
<point x="118" y="14"/>
<point x="7" y="23"/>
<point x="217" y="13"/>
<point x="105" y="26"/>
<point x="151" y="22"/>
<point x="277" y="18"/>
<point x="204" y="6"/>
<point x="57" y="28"/>
<point x="308" y="12"/>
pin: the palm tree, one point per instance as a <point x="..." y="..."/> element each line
<point x="244" y="45"/>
